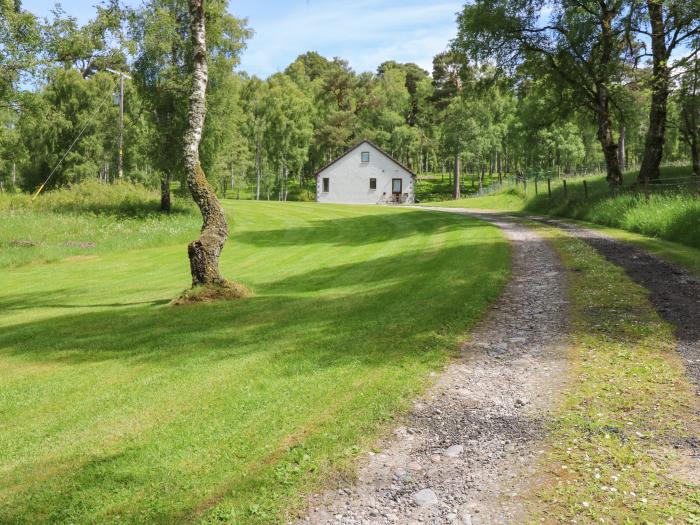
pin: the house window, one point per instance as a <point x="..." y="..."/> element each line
<point x="365" y="157"/>
<point x="326" y="185"/>
<point x="372" y="184"/>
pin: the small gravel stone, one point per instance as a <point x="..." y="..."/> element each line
<point x="454" y="451"/>
<point x="425" y="498"/>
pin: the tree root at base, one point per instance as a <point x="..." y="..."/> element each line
<point x="226" y="291"/>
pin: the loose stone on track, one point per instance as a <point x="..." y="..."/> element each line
<point x="467" y="451"/>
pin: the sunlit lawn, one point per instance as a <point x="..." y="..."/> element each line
<point x="115" y="407"/>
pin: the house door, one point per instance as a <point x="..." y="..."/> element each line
<point x="397" y="189"/>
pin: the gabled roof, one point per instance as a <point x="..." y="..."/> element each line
<point x="365" y="141"/>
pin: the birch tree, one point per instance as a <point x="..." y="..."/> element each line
<point x="204" y="253"/>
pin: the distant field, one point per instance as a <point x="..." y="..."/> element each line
<point x="118" y="408"/>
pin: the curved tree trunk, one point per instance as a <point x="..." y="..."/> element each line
<point x="204" y="252"/>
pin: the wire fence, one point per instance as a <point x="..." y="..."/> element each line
<point x="586" y="185"/>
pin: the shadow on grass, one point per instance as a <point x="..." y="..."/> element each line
<point x="355" y="231"/>
<point x="330" y="323"/>
<point x="374" y="320"/>
<point x="57" y="299"/>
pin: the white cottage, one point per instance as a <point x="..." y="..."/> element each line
<point x="366" y="175"/>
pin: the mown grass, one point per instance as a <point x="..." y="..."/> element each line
<point x="612" y="456"/>
<point x="117" y="408"/>
<point x="671" y="213"/>
<point x="87" y="220"/>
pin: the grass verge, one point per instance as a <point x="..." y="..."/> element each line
<point x="672" y="212"/>
<point x="117" y="408"/>
<point x="88" y="220"/>
<point x="685" y="256"/>
<point x="620" y="446"/>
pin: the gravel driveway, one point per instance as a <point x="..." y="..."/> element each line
<point x="464" y="452"/>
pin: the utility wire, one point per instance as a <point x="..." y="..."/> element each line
<point x="36" y="194"/>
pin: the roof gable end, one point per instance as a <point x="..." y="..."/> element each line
<point x="361" y="143"/>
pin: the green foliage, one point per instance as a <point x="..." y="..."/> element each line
<point x="162" y="73"/>
<point x="269" y="137"/>
<point x="672" y="212"/>
<point x="20" y="41"/>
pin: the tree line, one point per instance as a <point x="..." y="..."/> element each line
<point x="526" y="86"/>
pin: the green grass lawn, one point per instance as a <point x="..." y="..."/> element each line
<point x="507" y="200"/>
<point x="115" y="407"/>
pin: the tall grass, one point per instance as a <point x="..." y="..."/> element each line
<point x="123" y="199"/>
<point x="86" y="220"/>
<point x="671" y="212"/>
<point x="668" y="213"/>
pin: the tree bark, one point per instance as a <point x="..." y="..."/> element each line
<point x="457" y="189"/>
<point x="621" y="156"/>
<point x="257" y="172"/>
<point x="656" y="134"/>
<point x="204" y="252"/>
<point x="165" y="202"/>
<point x="605" y="137"/>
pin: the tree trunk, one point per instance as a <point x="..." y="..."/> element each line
<point x="204" y="252"/>
<point x="621" y="157"/>
<point x="656" y="134"/>
<point x="457" y="190"/>
<point x="605" y="136"/>
<point x="165" y="202"/>
<point x="695" y="155"/>
<point x="257" y="172"/>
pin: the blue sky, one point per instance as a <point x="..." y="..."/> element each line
<point x="365" y="32"/>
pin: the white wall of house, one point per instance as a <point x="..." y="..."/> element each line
<point x="349" y="179"/>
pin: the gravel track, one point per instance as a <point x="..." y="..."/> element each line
<point x="465" y="452"/>
<point x="674" y="291"/>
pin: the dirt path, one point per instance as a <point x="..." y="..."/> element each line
<point x="464" y="453"/>
<point x="674" y="291"/>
